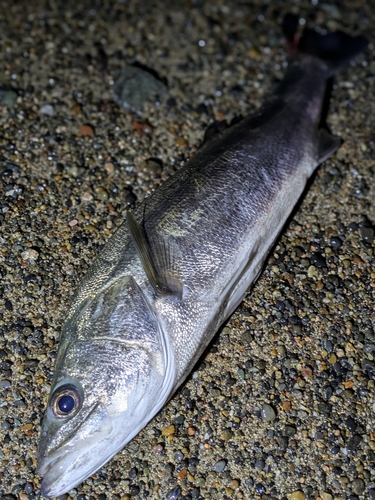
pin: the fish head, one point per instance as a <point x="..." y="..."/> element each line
<point x="105" y="389"/>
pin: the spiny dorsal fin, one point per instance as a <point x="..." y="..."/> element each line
<point x="158" y="260"/>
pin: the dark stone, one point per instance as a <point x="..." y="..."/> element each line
<point x="367" y="234"/>
<point x="351" y="424"/>
<point x="29" y="488"/>
<point x="174" y="493"/>
<point x="318" y="260"/>
<point x="260" y="489"/>
<point x="259" y="464"/>
<point x="353" y="443"/>
<point x="134" y="490"/>
<point x="8" y="305"/>
<point x="289" y="431"/>
<point x="195" y="493"/>
<point x="325" y="408"/>
<point x="133" y="473"/>
<point x="130" y="198"/>
<point x="179" y="420"/>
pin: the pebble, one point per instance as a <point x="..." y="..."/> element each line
<point x="358" y="486"/>
<point x="169" y="430"/>
<point x="288" y="431"/>
<point x="220" y="466"/>
<point x="297" y="495"/>
<point x="174" y="493"/>
<point x="268" y="413"/>
<point x="367" y="234"/>
<point x="8" y="98"/>
<point x="30" y="255"/>
<point x="336" y="242"/>
<point x="109" y="166"/>
<point x="86" y="130"/>
<point x="47" y="109"/>
<point x="234" y="484"/>
<point x="135" y="87"/>
<point x="101" y="193"/>
<point x="326" y="496"/>
<point x="178" y="456"/>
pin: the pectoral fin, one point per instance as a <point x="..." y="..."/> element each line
<point x="158" y="259"/>
<point x="327" y="145"/>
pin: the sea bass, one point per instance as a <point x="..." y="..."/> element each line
<point x="180" y="265"/>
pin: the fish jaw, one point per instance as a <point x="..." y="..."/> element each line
<point x="66" y="466"/>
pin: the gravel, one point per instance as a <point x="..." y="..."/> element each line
<point x="283" y="404"/>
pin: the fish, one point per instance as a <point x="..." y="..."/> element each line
<point x="180" y="265"/>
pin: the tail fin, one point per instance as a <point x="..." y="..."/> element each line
<point x="336" y="49"/>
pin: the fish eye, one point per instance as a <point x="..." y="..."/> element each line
<point x="66" y="400"/>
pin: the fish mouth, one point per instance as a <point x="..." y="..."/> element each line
<point x="60" y="471"/>
<point x="66" y="466"/>
<point x="55" y="482"/>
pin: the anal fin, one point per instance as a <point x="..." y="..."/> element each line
<point x="327" y="145"/>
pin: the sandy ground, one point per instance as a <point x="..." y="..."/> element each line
<point x="282" y="405"/>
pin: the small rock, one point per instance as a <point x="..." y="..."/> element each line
<point x="8" y="98"/>
<point x="109" y="166"/>
<point x="336" y="242"/>
<point x="367" y="234"/>
<point x="5" y="384"/>
<point x="101" y="193"/>
<point x="234" y="484"/>
<point x="354" y="443"/>
<point x="220" y="466"/>
<point x="76" y="109"/>
<point x="178" y="456"/>
<point x="174" y="493"/>
<point x="326" y="496"/>
<point x="260" y="464"/>
<point x="288" y="431"/>
<point x="136" y="86"/>
<point x="297" y="495"/>
<point x="268" y="413"/>
<point x="358" y="486"/>
<point x="142" y="128"/>
<point x="168" y="431"/>
<point x="260" y="489"/>
<point x="318" y="260"/>
<point x="30" y="255"/>
<point x="87" y="130"/>
<point x="47" y="109"/>
<point x="179" y="420"/>
<point x="181" y="142"/>
<point x="325" y="408"/>
<point x="130" y="198"/>
<point x="311" y="272"/>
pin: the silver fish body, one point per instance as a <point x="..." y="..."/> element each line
<point x="126" y="346"/>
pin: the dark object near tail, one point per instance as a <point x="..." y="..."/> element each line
<point x="336" y="49"/>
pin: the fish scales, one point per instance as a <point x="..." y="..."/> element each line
<point x="238" y="184"/>
<point x="172" y="274"/>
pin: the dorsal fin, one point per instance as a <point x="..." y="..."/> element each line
<point x="158" y="260"/>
